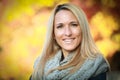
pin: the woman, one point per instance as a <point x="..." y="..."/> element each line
<point x="69" y="52"/>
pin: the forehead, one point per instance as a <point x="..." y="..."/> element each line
<point x="64" y="15"/>
<point x="64" y="11"/>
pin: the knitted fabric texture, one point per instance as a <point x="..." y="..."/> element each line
<point x="90" y="68"/>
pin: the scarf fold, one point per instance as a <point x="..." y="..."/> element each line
<point x="90" y="68"/>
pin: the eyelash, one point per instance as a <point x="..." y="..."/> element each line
<point x="59" y="26"/>
<point x="72" y="24"/>
<point x="75" y="24"/>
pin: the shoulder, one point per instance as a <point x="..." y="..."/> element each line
<point x="102" y="63"/>
<point x="101" y="76"/>
<point x="99" y="65"/>
<point x="36" y="61"/>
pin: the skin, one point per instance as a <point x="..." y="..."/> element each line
<point x="67" y="31"/>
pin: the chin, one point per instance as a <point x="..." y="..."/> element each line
<point x="70" y="49"/>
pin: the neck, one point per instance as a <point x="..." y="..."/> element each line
<point x="65" y="53"/>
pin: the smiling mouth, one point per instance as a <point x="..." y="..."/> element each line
<point x="68" y="41"/>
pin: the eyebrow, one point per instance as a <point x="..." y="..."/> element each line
<point x="59" y="24"/>
<point x="74" y="22"/>
<point x="70" y="22"/>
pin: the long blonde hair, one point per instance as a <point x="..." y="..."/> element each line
<point x="86" y="49"/>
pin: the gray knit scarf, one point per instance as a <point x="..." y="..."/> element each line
<point x="90" y="68"/>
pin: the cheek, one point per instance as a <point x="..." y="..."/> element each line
<point x="58" y="34"/>
<point x="77" y="32"/>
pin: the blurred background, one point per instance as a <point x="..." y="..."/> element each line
<point x="23" y="28"/>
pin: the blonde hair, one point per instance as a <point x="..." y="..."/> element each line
<point x="86" y="49"/>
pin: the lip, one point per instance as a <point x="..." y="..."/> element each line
<point x="68" y="40"/>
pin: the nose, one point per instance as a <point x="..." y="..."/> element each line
<point x="68" y="31"/>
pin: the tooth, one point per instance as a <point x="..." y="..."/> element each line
<point x="68" y="40"/>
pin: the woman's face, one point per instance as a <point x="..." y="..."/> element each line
<point x="67" y="30"/>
